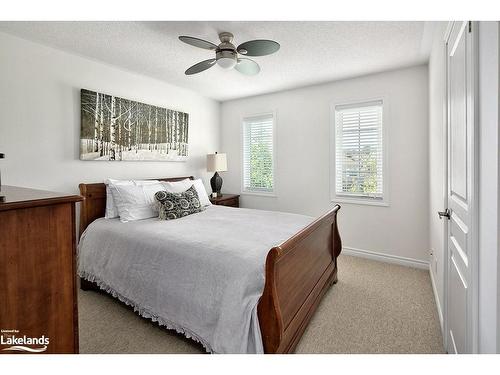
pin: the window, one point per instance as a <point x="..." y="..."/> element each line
<point x="258" y="154"/>
<point x="359" y="152"/>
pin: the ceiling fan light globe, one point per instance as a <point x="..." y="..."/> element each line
<point x="226" y="62"/>
<point x="226" y="58"/>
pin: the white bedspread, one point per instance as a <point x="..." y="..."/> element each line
<point x="201" y="275"/>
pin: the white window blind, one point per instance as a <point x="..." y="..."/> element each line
<point x="359" y="151"/>
<point x="258" y="154"/>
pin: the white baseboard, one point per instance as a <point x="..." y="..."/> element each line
<point x="403" y="261"/>
<point x="438" y="304"/>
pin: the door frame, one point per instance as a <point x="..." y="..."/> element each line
<point x="474" y="258"/>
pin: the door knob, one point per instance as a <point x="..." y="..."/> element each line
<point x="445" y="213"/>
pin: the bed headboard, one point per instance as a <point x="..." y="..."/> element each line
<point x="94" y="201"/>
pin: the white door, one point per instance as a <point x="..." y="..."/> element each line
<point x="461" y="305"/>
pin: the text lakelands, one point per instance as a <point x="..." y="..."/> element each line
<point x="24" y="340"/>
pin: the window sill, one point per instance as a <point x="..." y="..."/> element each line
<point x="260" y="194"/>
<point x="360" y="201"/>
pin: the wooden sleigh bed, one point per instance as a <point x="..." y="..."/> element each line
<point x="298" y="272"/>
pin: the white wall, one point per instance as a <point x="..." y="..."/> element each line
<point x="437" y="161"/>
<point x="303" y="158"/>
<point x="40" y="118"/>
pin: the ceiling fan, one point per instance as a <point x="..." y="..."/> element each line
<point x="226" y="54"/>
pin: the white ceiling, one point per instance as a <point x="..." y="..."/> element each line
<point x="311" y="52"/>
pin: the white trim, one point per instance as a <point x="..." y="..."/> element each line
<point x="260" y="194"/>
<point x="359" y="200"/>
<point x="436" y="298"/>
<point x="387" y="258"/>
<point x="243" y="191"/>
<point x="474" y="263"/>
<point x="385" y="201"/>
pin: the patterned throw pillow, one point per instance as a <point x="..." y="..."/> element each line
<point x="176" y="205"/>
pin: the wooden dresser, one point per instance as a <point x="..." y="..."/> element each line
<point x="38" y="272"/>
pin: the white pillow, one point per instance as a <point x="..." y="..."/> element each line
<point x="134" y="199"/>
<point x="177" y="186"/>
<point x="183" y="185"/>
<point x="111" y="209"/>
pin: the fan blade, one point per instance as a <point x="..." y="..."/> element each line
<point x="200" y="67"/>
<point x="197" y="42"/>
<point x="247" y="66"/>
<point x="258" y="47"/>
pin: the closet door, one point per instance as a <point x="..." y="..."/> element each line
<point x="462" y="172"/>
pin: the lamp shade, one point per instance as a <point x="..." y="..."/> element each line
<point x="216" y="162"/>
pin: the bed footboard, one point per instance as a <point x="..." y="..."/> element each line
<point x="298" y="273"/>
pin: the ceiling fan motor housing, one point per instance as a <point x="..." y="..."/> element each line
<point x="226" y="37"/>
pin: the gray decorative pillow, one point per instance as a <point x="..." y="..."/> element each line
<point x="176" y="205"/>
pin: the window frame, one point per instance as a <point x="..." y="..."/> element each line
<point x="243" y="189"/>
<point x="358" y="199"/>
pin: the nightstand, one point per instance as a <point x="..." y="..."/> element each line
<point x="229" y="200"/>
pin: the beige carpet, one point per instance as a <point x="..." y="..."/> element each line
<point x="374" y="308"/>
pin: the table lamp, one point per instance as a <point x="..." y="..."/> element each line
<point x="216" y="163"/>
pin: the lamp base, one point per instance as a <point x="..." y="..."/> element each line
<point x="216" y="184"/>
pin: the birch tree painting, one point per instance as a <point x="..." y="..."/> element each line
<point x="113" y="128"/>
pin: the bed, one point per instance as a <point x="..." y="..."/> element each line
<point x="296" y="271"/>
